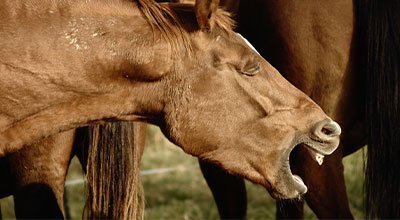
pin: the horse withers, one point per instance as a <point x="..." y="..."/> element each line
<point x="69" y="64"/>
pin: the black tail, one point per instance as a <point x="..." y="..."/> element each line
<point x="378" y="24"/>
<point x="113" y="179"/>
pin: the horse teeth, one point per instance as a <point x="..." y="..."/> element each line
<point x="319" y="158"/>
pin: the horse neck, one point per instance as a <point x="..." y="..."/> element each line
<point x="97" y="39"/>
<point x="91" y="62"/>
<point x="108" y="31"/>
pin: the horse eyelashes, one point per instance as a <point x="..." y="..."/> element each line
<point x="251" y="69"/>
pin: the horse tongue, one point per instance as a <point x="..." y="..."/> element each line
<point x="319" y="158"/>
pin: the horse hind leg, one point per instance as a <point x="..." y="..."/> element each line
<point x="229" y="191"/>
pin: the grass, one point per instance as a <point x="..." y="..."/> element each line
<point x="183" y="194"/>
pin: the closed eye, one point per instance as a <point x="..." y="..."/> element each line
<point x="251" y="69"/>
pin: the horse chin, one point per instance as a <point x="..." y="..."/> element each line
<point x="296" y="191"/>
<point x="289" y="185"/>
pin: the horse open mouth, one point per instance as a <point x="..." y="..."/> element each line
<point x="316" y="155"/>
<point x="292" y="185"/>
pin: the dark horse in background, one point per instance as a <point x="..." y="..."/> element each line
<point x="71" y="64"/>
<point x="346" y="56"/>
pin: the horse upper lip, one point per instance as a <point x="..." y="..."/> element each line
<point x="318" y="148"/>
<point x="323" y="147"/>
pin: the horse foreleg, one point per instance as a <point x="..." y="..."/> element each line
<point x="289" y="209"/>
<point x="40" y="174"/>
<point x="229" y="191"/>
<point x="37" y="201"/>
<point x="326" y="194"/>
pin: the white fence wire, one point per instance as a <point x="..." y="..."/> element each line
<point x="143" y="173"/>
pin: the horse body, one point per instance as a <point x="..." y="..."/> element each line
<point x="77" y="63"/>
<point x="312" y="46"/>
<point x="344" y="55"/>
<point x="343" y="38"/>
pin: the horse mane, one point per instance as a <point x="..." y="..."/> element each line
<point x="223" y="20"/>
<point x="164" y="18"/>
<point x="378" y="30"/>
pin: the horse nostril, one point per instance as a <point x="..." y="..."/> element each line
<point x="327" y="129"/>
<point x="331" y="129"/>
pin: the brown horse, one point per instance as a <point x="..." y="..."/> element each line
<point x="69" y="64"/>
<point x="345" y="56"/>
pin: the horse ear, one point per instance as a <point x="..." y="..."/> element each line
<point x="204" y="10"/>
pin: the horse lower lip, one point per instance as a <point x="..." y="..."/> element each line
<point x="298" y="179"/>
<point x="302" y="188"/>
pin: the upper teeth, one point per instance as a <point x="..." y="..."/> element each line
<point x="319" y="158"/>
